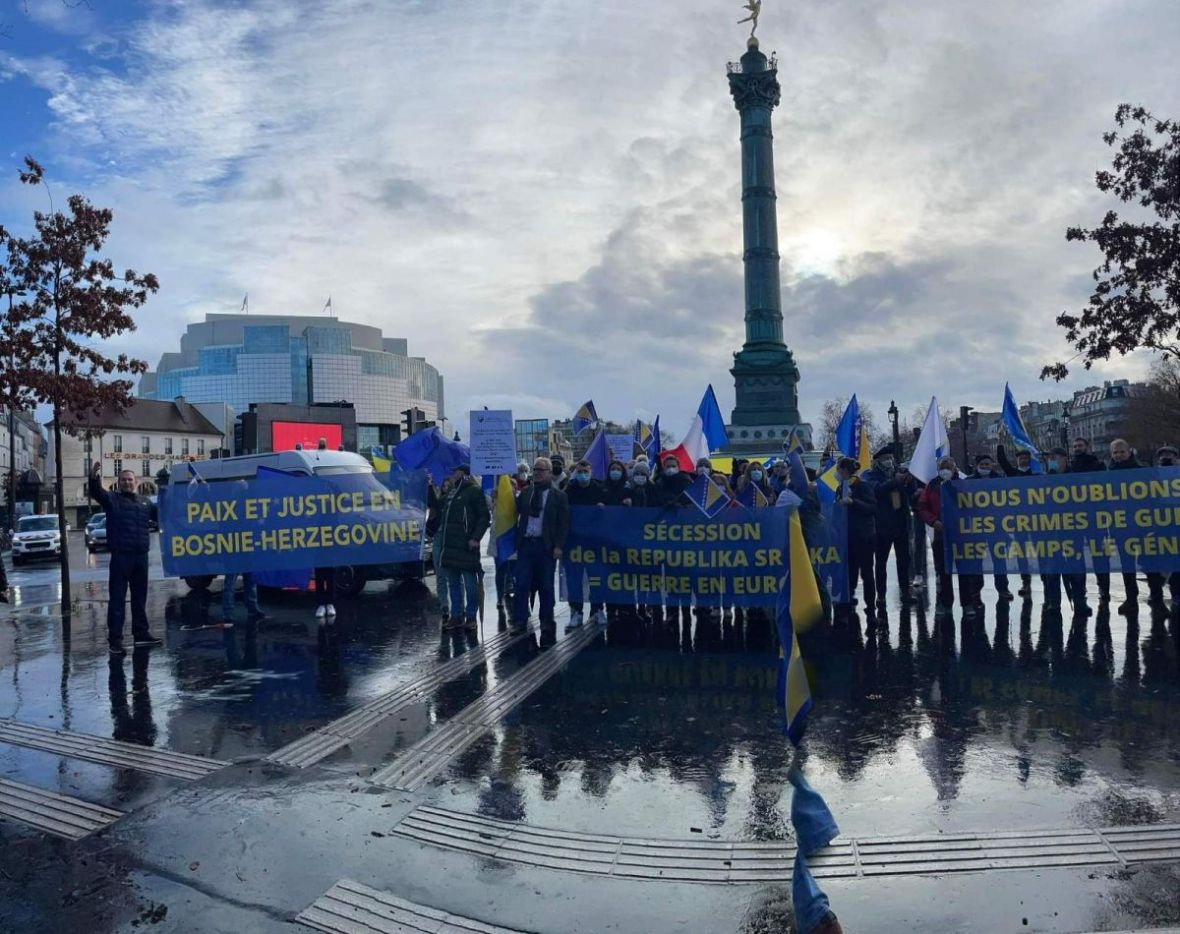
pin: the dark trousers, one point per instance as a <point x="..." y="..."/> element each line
<point x="860" y="565"/>
<point x="1051" y="584"/>
<point x="127" y="571"/>
<point x="919" y="549"/>
<point x="899" y="543"/>
<point x="534" y="569"/>
<point x="1155" y="585"/>
<point x="504" y="578"/>
<point x="946" y="587"/>
<point x="325" y="585"/>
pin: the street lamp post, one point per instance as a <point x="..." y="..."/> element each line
<point x="964" y="411"/>
<point x="893" y="415"/>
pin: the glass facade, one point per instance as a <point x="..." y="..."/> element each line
<point x="532" y="438"/>
<point x="240" y="359"/>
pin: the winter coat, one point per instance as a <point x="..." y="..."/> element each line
<point x="1009" y="469"/>
<point x="1085" y="463"/>
<point x="465" y="518"/>
<point x="893" y="505"/>
<point x="1131" y="463"/>
<point x="641" y="496"/>
<point x="669" y="490"/>
<point x="614" y="492"/>
<point x="930" y="502"/>
<point x="862" y="513"/>
<point x="129" y="517"/>
<point x="555" y="517"/>
<point x="592" y="494"/>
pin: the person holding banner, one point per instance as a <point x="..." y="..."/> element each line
<point x="856" y="496"/>
<point x="465" y="520"/>
<point x="1022" y="468"/>
<point x="1166" y="456"/>
<point x="615" y="491"/>
<point x="542" y="526"/>
<point x="671" y="483"/>
<point x="582" y="490"/>
<point x="930" y="510"/>
<point x="1121" y="458"/>
<point x="129" y="519"/>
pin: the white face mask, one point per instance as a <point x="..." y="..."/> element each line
<point x="671" y="471"/>
<point x="984" y="471"/>
<point x="640" y="479"/>
<point x="946" y="474"/>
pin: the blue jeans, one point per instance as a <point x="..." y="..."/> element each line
<point x="440" y="575"/>
<point x="462" y="584"/>
<point x="249" y="594"/>
<point x="534" y="567"/>
<point x="127" y="571"/>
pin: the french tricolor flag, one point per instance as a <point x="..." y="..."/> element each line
<point x="705" y="435"/>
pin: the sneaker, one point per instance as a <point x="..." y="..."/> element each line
<point x="321" y="612"/>
<point x="471" y="623"/>
<point x="331" y="610"/>
<point x="574" y="623"/>
<point x="116" y="649"/>
<point x="453" y="622"/>
<point x="147" y="641"/>
<point x="600" y="617"/>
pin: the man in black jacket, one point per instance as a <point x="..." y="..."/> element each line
<point x="582" y="490"/>
<point x="129" y="520"/>
<point x="1022" y="468"/>
<point x="542" y="526"/>
<point x="1082" y="461"/>
<point x="858" y="498"/>
<point x="893" y="522"/>
<point x="1122" y="458"/>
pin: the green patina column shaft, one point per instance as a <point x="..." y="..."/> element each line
<point x="764" y="371"/>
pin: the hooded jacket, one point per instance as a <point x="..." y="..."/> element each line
<point x="465" y="518"/>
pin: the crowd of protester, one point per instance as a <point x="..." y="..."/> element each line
<point x="888" y="512"/>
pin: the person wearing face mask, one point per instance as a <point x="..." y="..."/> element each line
<point x="985" y="469"/>
<point x="857" y="497"/>
<point x="671" y="483"/>
<point x="1057" y="462"/>
<point x="615" y="491"/>
<point x="521" y="478"/>
<point x="754" y="475"/>
<point x="582" y="490"/>
<point x="779" y="478"/>
<point x="559" y="477"/>
<point x="465" y="520"/>
<point x="930" y="511"/>
<point x="893" y="524"/>
<point x="1165" y="457"/>
<point x="1123" y="458"/>
<point x="704" y="467"/>
<point x="1022" y="468"/>
<point x="542" y="526"/>
<point x="639" y="488"/>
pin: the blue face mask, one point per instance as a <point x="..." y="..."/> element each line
<point x="755" y="475"/>
<point x="616" y="475"/>
<point x="582" y="478"/>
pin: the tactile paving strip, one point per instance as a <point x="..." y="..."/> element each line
<point x="718" y="861"/>
<point x="108" y="751"/>
<point x="58" y="814"/>
<point x="318" y="745"/>
<point x="350" y="908"/>
<point x="430" y="755"/>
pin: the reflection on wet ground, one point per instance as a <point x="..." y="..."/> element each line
<point x="1016" y="719"/>
<point x="669" y="729"/>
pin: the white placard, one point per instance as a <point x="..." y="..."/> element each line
<point x="492" y="441"/>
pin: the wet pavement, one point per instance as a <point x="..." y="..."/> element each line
<point x="1016" y="721"/>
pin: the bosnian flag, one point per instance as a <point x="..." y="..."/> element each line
<point x="705" y="435"/>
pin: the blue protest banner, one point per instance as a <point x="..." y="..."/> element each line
<point x="828" y="545"/>
<point x="629" y="555"/>
<point x="275" y="520"/>
<point x="1064" y="524"/>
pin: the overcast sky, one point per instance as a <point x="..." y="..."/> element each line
<point x="545" y="197"/>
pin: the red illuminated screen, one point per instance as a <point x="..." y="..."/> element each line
<point x="285" y="435"/>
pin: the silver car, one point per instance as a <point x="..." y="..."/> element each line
<point x="96" y="532"/>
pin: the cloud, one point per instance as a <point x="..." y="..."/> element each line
<point x="546" y="200"/>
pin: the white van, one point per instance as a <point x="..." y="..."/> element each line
<point x="350" y="579"/>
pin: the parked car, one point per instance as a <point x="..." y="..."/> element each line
<point x="96" y="532"/>
<point x="350" y="579"/>
<point x="36" y="537"/>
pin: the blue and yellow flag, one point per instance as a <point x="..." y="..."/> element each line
<point x="847" y="432"/>
<point x="752" y="497"/>
<point x="647" y="437"/>
<point x="798" y="609"/>
<point x="381" y="463"/>
<point x="707" y="496"/>
<point x="504" y="518"/>
<point x="585" y="418"/>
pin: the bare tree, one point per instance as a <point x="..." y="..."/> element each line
<point x="833" y="412"/>
<point x="1153" y="419"/>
